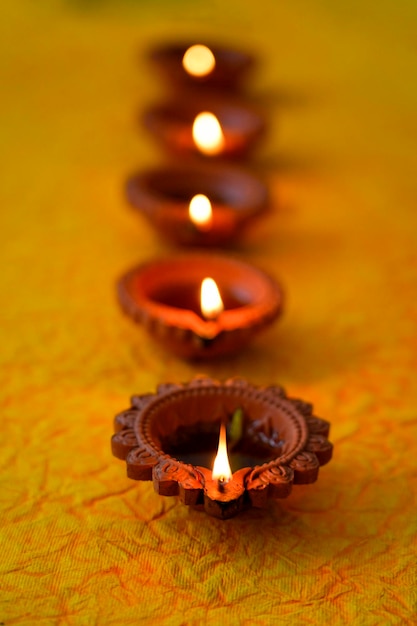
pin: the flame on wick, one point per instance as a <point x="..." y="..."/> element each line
<point x="198" y="60"/>
<point x="210" y="299"/>
<point x="221" y="467"/>
<point x="200" y="211"/>
<point x="207" y="134"/>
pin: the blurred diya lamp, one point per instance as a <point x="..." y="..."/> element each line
<point x="267" y="443"/>
<point x="201" y="65"/>
<point x="210" y="128"/>
<point x="200" y="305"/>
<point x="198" y="205"/>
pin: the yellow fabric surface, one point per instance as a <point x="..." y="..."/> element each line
<point x="80" y="543"/>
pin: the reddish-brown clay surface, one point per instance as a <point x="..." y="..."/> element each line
<point x="231" y="68"/>
<point x="163" y="194"/>
<point x="171" y="123"/>
<point x="163" y="295"/>
<point x="157" y="426"/>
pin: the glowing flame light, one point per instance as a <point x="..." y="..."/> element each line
<point x="211" y="301"/>
<point x="207" y="134"/>
<point x="198" y="60"/>
<point x="221" y="466"/>
<point x="200" y="211"/>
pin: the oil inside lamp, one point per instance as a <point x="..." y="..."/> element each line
<point x="207" y="134"/>
<point x="221" y="466"/>
<point x="200" y="212"/>
<point x="210" y="300"/>
<point x="198" y="60"/>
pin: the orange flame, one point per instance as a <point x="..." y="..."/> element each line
<point x="207" y="134"/>
<point x="210" y="299"/>
<point x="200" y="211"/>
<point x="198" y="60"/>
<point x="221" y="466"/>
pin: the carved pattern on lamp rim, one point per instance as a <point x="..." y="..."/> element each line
<point x="133" y="442"/>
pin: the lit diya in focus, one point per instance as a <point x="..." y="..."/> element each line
<point x="178" y="307"/>
<point x="267" y="443"/>
<point x="199" y="205"/>
<point x="211" y="128"/>
<point x="201" y="65"/>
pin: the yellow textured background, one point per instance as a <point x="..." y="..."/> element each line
<point x="80" y="543"/>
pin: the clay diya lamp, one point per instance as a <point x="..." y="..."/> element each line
<point x="199" y="205"/>
<point x="200" y="305"/>
<point x="213" y="128"/>
<point x="188" y="65"/>
<point x="267" y="443"/>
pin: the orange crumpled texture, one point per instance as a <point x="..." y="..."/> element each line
<point x="80" y="543"/>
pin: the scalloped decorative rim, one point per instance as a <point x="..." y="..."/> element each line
<point x="133" y="442"/>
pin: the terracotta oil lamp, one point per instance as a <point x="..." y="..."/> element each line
<point x="267" y="443"/>
<point x="212" y="128"/>
<point x="200" y="305"/>
<point x="198" y="205"/>
<point x="201" y="65"/>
